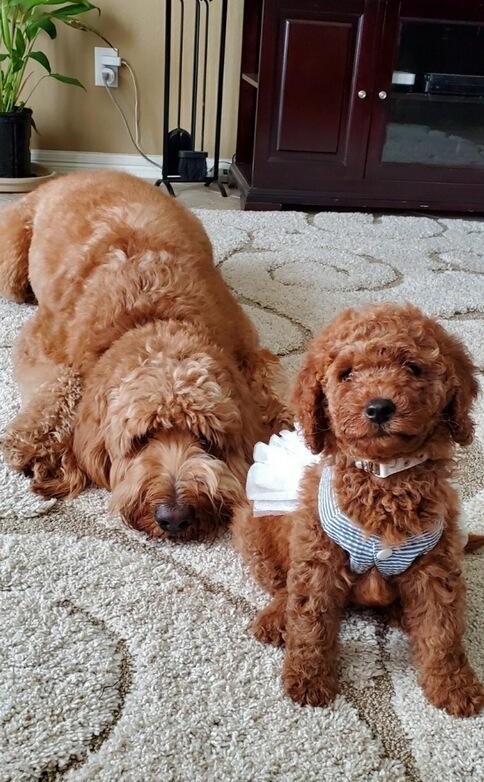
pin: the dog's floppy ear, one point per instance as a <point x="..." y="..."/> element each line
<point x="89" y="436"/>
<point x="464" y="391"/>
<point x="310" y="403"/>
<point x="311" y="409"/>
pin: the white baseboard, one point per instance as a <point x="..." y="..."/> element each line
<point x="65" y="161"/>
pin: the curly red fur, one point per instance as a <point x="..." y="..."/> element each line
<point x="139" y="371"/>
<point x="383" y="351"/>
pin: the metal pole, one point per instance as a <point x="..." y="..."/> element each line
<point x="218" y="121"/>
<point x="196" y="48"/>
<point x="180" y="64"/>
<point x="166" y="102"/>
<point x="205" y="65"/>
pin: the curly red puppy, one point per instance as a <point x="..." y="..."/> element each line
<point x="384" y="391"/>
<point x="139" y="371"/>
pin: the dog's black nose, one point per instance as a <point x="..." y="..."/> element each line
<point x="173" y="518"/>
<point x="379" y="410"/>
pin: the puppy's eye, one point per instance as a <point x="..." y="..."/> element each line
<point x="415" y="369"/>
<point x="346" y="374"/>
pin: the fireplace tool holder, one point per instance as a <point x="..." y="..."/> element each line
<point x="183" y="160"/>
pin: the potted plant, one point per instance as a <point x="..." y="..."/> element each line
<point x="22" y="24"/>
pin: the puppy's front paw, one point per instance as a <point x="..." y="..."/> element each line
<point x="267" y="631"/>
<point x="269" y="625"/>
<point x="461" y="695"/>
<point x="319" y="690"/>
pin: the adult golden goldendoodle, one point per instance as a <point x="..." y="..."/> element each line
<point x="139" y="371"/>
<point x="384" y="394"/>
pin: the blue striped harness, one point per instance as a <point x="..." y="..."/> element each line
<point x="367" y="552"/>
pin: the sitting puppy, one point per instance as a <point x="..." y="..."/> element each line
<point x="139" y="371"/>
<point x="385" y="392"/>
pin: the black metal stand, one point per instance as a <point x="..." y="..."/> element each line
<point x="169" y="178"/>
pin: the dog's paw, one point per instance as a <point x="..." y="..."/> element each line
<point x="49" y="487"/>
<point x="23" y="453"/>
<point x="268" y="626"/>
<point x="19" y="451"/>
<point x="459" y="696"/>
<point x="50" y="464"/>
<point x="320" y="690"/>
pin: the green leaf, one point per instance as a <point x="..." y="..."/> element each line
<point x="72" y="10"/>
<point x="68" y="6"/>
<point x="16" y="3"/>
<point x="67" y="80"/>
<point x="19" y="42"/>
<point x="42" y="59"/>
<point x="28" y="4"/>
<point x="3" y="57"/>
<point x="17" y="62"/>
<point x="5" y="35"/>
<point x="46" y="24"/>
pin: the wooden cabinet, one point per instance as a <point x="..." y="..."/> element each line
<point x="370" y="103"/>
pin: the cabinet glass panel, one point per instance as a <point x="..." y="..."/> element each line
<point x="436" y="104"/>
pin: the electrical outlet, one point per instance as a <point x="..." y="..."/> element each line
<point x="106" y="64"/>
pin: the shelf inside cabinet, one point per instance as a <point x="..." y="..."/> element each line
<point x="251" y="78"/>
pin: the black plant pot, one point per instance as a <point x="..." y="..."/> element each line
<point x="15" y="130"/>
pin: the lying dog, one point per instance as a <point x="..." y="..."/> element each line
<point x="139" y="371"/>
<point x="385" y="393"/>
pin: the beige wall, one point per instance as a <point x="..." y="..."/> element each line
<point x="70" y="119"/>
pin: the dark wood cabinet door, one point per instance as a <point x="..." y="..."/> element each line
<point x="315" y="87"/>
<point x="428" y="106"/>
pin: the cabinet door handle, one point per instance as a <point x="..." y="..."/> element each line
<point x="362" y="94"/>
<point x="382" y="95"/>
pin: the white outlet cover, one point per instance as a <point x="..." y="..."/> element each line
<point x="100" y="52"/>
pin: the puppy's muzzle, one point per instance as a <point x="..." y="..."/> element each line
<point x="174" y="518"/>
<point x="379" y="410"/>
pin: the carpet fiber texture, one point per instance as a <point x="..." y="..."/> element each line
<point x="122" y="660"/>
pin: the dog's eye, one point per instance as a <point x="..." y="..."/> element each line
<point x="346" y="374"/>
<point x="415" y="369"/>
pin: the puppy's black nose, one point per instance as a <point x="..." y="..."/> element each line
<point x="173" y="518"/>
<point x="379" y="410"/>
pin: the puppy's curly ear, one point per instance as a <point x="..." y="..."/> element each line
<point x="464" y="390"/>
<point x="310" y="404"/>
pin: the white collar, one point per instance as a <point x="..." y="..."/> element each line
<point x="384" y="469"/>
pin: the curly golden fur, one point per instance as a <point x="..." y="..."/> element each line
<point x="139" y="371"/>
<point x="393" y="353"/>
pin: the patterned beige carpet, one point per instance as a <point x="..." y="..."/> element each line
<point x="121" y="660"/>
